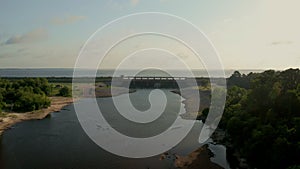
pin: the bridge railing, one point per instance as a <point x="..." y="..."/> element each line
<point x="152" y="78"/>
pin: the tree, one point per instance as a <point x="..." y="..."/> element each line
<point x="240" y="80"/>
<point x="27" y="94"/>
<point x="29" y="101"/>
<point x="263" y="122"/>
<point x="205" y="82"/>
<point x="65" y="91"/>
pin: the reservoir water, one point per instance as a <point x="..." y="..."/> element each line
<point x="59" y="142"/>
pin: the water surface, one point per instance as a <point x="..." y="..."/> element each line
<point x="59" y="142"/>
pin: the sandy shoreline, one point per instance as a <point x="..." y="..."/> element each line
<point x="57" y="103"/>
<point x="199" y="158"/>
<point x="191" y="98"/>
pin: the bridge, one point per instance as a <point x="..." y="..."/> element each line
<point x="139" y="82"/>
<point x="142" y="82"/>
<point x="136" y="82"/>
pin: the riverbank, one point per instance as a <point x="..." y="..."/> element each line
<point x="57" y="103"/>
<point x="9" y="119"/>
<point x="99" y="90"/>
<point x="191" y="98"/>
<point x="199" y="158"/>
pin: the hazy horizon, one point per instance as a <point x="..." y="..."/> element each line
<point x="246" y="34"/>
<point x="69" y="72"/>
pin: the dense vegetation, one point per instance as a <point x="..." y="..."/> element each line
<point x="262" y="118"/>
<point x="24" y="95"/>
<point x="28" y="94"/>
<point x="65" y="92"/>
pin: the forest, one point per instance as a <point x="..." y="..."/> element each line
<point x="27" y="94"/>
<point x="262" y="118"/>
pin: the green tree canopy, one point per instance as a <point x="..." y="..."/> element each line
<point x="65" y="91"/>
<point x="263" y="121"/>
<point x="25" y="94"/>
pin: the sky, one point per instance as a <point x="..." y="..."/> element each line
<point x="248" y="34"/>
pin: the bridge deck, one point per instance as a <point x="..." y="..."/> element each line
<point x="152" y="78"/>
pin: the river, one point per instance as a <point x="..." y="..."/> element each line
<point x="59" y="142"/>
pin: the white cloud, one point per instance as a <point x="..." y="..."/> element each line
<point x="29" y="37"/>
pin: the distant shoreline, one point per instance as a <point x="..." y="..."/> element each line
<point x="68" y="72"/>
<point x="57" y="103"/>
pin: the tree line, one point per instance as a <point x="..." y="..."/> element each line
<point x="27" y="94"/>
<point x="262" y="117"/>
